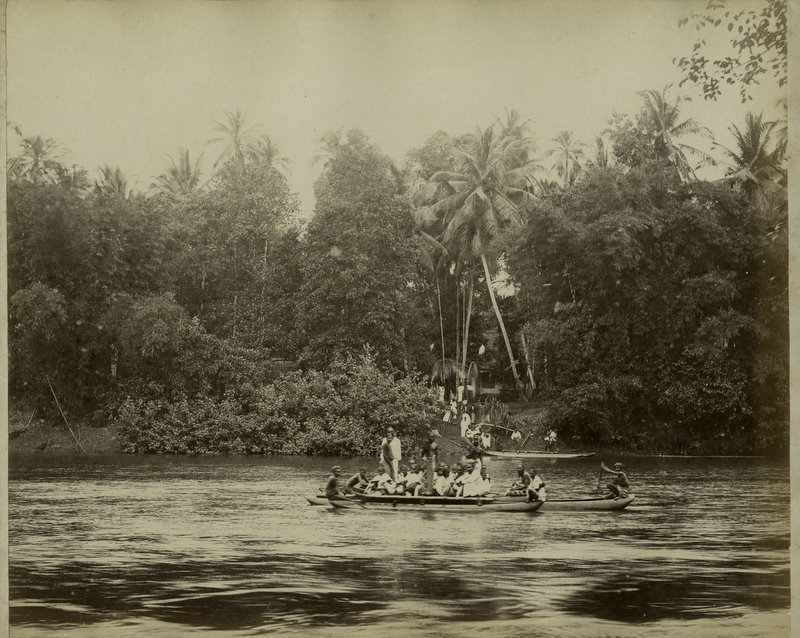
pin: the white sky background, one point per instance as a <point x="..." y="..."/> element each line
<point x="128" y="83"/>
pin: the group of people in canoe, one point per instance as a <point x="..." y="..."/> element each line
<point x="425" y="477"/>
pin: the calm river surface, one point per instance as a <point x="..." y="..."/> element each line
<point x="161" y="546"/>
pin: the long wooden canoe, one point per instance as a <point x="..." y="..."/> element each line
<point x="579" y="504"/>
<point x="539" y="455"/>
<point x="436" y="503"/>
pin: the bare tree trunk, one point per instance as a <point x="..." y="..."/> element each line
<point x="502" y="325"/>
<point x="202" y="294"/>
<point x="529" y="359"/>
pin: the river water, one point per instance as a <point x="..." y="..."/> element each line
<point x="163" y="546"/>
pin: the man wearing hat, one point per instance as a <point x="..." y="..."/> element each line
<point x="619" y="486"/>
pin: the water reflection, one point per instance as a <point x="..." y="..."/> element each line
<point x="231" y="545"/>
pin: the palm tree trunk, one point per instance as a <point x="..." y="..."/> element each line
<point x="458" y="323"/>
<point x="467" y="322"/>
<point x="503" y="329"/>
<point x="441" y="322"/>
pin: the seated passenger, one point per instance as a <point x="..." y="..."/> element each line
<point x="475" y="451"/>
<point x="357" y="483"/>
<point x="413" y="480"/>
<point x="619" y="487"/>
<point x="381" y="483"/>
<point x="471" y="481"/>
<point x="400" y="481"/>
<point x="457" y="473"/>
<point x="443" y="481"/>
<point x="520" y="486"/>
<point x="536" y="490"/>
<point x="332" y="487"/>
<point x="487" y="482"/>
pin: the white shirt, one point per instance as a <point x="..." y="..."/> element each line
<point x="473" y="483"/>
<point x="442" y="484"/>
<point x="395" y="447"/>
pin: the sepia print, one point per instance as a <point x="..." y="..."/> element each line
<point x="339" y="318"/>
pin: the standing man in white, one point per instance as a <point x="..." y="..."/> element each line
<point x="391" y="453"/>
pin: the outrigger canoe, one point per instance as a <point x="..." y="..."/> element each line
<point x="579" y="504"/>
<point x="435" y="503"/>
<point x="539" y="455"/>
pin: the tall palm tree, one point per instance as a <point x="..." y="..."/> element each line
<point x="74" y="179"/>
<point x="112" y="184"/>
<point x="329" y="145"/>
<point x="432" y="258"/>
<point x="37" y="161"/>
<point x="264" y="152"/>
<point x="234" y="136"/>
<point x="757" y="162"/>
<point x="484" y="197"/>
<point x="568" y="153"/>
<point x="182" y="178"/>
<point x="662" y="117"/>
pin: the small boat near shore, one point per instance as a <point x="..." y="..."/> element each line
<point x="428" y="503"/>
<point x="539" y="454"/>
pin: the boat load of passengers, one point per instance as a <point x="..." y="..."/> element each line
<point x="464" y="488"/>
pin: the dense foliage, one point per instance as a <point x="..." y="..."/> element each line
<point x="644" y="307"/>
<point x="647" y="304"/>
<point x="341" y="411"/>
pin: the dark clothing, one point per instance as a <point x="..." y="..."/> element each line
<point x="428" y="449"/>
<point x="475" y="451"/>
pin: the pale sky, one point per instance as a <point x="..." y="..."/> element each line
<point x="128" y="83"/>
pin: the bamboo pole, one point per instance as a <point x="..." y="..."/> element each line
<point x="62" y="414"/>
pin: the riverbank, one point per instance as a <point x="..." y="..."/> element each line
<point x="38" y="435"/>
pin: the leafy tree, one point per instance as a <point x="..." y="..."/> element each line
<point x="645" y="313"/>
<point x="37" y="320"/>
<point x="238" y="264"/>
<point x="759" y="48"/>
<point x="359" y="261"/>
<point x="163" y="354"/>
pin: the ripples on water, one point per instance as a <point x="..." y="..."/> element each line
<point x="133" y="546"/>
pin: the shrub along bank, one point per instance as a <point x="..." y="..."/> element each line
<point x="343" y="410"/>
